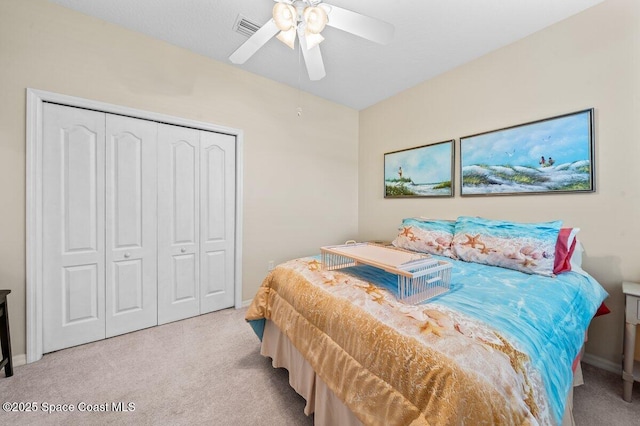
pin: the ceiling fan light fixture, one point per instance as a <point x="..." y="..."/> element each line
<point x="284" y="16"/>
<point x="305" y="20"/>
<point x="316" y="19"/>
<point x="288" y="37"/>
<point x="312" y="39"/>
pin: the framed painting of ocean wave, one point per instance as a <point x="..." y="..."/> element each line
<point x="554" y="155"/>
<point x="424" y="171"/>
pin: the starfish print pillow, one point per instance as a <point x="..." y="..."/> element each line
<point x="525" y="247"/>
<point x="426" y="235"/>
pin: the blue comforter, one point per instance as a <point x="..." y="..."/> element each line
<point x="547" y="317"/>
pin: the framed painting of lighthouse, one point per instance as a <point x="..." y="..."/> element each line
<point x="424" y="171"/>
<point x="553" y="155"/>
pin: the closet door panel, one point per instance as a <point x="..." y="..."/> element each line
<point x="214" y="275"/>
<point x="73" y="224"/>
<point x="131" y="215"/>
<point x="217" y="231"/>
<point x="184" y="159"/>
<point x="178" y="223"/>
<point x="80" y="289"/>
<point x="128" y="292"/>
<point x="184" y="283"/>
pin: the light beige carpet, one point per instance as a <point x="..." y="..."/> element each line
<point x="206" y="370"/>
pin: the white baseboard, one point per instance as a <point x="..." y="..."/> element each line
<point x="246" y="303"/>
<point x="602" y="363"/>
<point x="20" y="359"/>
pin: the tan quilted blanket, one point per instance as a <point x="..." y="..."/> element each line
<point x="396" y="364"/>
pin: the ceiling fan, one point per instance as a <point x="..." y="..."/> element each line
<point x="307" y="19"/>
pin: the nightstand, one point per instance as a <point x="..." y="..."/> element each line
<point x="380" y="242"/>
<point x="630" y="373"/>
<point x="385" y="243"/>
<point x="5" y="337"/>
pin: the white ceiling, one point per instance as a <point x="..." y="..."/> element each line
<point x="431" y="37"/>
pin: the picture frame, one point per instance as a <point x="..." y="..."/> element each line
<point x="423" y="171"/>
<point x="549" y="156"/>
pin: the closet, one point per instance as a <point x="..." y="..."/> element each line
<point x="138" y="224"/>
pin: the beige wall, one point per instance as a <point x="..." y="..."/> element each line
<point x="289" y="194"/>
<point x="589" y="60"/>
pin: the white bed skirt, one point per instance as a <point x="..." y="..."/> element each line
<point x="327" y="409"/>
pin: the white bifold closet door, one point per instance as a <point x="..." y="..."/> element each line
<point x="196" y="210"/>
<point x="138" y="224"/>
<point x="73" y="227"/>
<point x="130" y="225"/>
<point x="99" y="226"/>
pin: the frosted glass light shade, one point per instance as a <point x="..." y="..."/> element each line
<point x="316" y="19"/>
<point x="284" y="16"/>
<point x="288" y="37"/>
<point x="312" y="39"/>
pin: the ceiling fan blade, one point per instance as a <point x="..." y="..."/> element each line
<point x="312" y="58"/>
<point x="363" y="26"/>
<point x="255" y="42"/>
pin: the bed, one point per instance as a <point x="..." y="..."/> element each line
<point x="499" y="347"/>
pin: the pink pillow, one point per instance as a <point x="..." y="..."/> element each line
<point x="565" y="245"/>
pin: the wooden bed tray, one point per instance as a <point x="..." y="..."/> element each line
<point x="420" y="276"/>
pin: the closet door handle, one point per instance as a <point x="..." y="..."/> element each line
<point x="183" y="250"/>
<point x="127" y="255"/>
